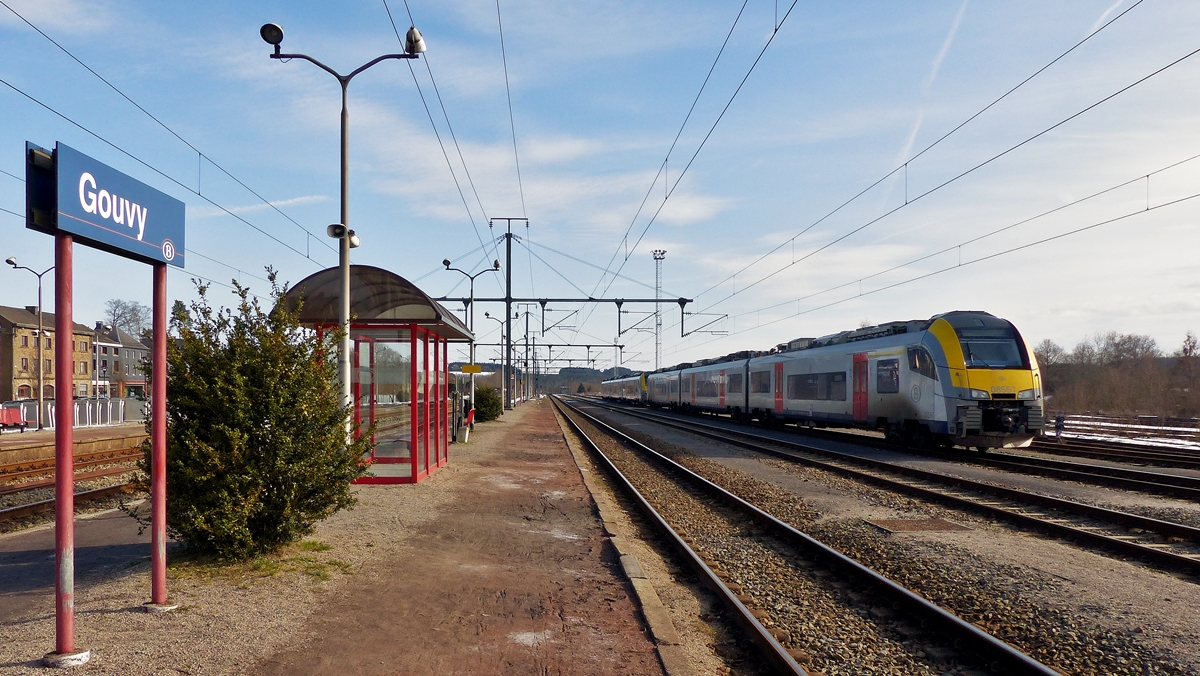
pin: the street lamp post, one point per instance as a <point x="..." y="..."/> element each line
<point x="503" y="371"/>
<point x="96" y="365"/>
<point x="414" y="44"/>
<point x="41" y="337"/>
<point x="495" y="267"/>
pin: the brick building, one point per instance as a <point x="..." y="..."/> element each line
<point x="117" y="362"/>
<point x="19" y="342"/>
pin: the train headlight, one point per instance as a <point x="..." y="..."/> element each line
<point x="980" y="394"/>
<point x="1026" y="394"/>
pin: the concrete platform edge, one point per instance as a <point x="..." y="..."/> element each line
<point x="667" y="642"/>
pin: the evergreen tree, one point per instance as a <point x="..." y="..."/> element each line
<point x="256" y="448"/>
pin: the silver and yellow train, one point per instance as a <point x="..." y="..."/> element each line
<point x="961" y="378"/>
<point x="630" y="389"/>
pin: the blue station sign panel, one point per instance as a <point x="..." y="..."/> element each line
<point x="112" y="211"/>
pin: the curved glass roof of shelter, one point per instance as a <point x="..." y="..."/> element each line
<point x="380" y="303"/>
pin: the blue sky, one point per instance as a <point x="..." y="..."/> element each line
<point x="844" y="94"/>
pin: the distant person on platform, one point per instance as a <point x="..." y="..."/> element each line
<point x="1060" y="423"/>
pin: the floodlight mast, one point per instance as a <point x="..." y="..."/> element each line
<point x="414" y="45"/>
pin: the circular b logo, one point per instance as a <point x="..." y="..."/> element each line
<point x="915" y="393"/>
<point x="168" y="249"/>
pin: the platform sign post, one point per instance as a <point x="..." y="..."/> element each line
<point x="76" y="198"/>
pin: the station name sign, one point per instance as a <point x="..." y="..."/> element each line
<point x="70" y="192"/>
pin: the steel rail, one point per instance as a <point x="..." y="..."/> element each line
<point x="1184" y="562"/>
<point x="1010" y="659"/>
<point x="22" y="470"/>
<point x="1163" y="456"/>
<point x="1157" y="483"/>
<point x="1171" y="485"/>
<point x="49" y="483"/>
<point x="10" y="513"/>
<point x="775" y="652"/>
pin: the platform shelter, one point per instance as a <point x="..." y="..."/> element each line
<point x="399" y="365"/>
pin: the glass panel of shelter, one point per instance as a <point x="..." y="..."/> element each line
<point x="381" y="385"/>
<point x="399" y="384"/>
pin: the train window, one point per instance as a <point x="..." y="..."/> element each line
<point x="921" y="362"/>
<point x="706" y="384"/>
<point x="817" y="386"/>
<point x="735" y="383"/>
<point x="835" y="385"/>
<point x="686" y="388"/>
<point x="887" y="376"/>
<point x="760" y="382"/>
<point x="674" y="384"/>
<point x="802" y="386"/>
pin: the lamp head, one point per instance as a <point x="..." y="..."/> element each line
<point x="487" y="314"/>
<point x="496" y="264"/>
<point x="413" y="42"/>
<point x="446" y="262"/>
<point x="355" y="242"/>
<point x="271" y="33"/>
<point x="11" y="260"/>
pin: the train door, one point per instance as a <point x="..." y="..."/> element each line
<point x="779" y="387"/>
<point x="692" y="387"/>
<point x="860" y="385"/>
<point x="721" y="390"/>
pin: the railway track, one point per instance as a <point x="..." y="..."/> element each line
<point x="899" y="615"/>
<point x="20" y="471"/>
<point x="82" y="497"/>
<point x="1164" y="544"/>
<point x="1156" y="483"/>
<point x="1116" y="451"/>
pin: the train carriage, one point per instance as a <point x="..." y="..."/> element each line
<point x="631" y="389"/>
<point x="964" y="378"/>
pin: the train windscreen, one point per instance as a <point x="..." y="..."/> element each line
<point x="991" y="349"/>
<point x="989" y="342"/>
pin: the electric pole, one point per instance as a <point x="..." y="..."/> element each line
<point x="659" y="255"/>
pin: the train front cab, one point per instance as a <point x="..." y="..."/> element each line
<point x="996" y="377"/>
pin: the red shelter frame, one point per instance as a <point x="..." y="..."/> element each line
<point x="411" y="438"/>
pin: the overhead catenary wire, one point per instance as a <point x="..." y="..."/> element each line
<point x="857" y="282"/>
<point x="954" y="178"/>
<point x="151" y="167"/>
<point x="904" y="165"/>
<point x="511" y="122"/>
<point x="663" y="167"/>
<point x="438" y="135"/>
<point x="966" y="263"/>
<point x="162" y="124"/>
<point x="445" y="115"/>
<point x="708" y="135"/>
<point x="191" y="252"/>
<point x="592" y="265"/>
<point x="700" y="147"/>
<point x="977" y="238"/>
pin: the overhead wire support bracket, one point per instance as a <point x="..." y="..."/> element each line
<point x="683" y="334"/>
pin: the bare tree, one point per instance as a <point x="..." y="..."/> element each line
<point x="130" y="316"/>
<point x="1190" y="348"/>
<point x="1049" y="353"/>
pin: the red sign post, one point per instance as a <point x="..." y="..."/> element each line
<point x="74" y="197"/>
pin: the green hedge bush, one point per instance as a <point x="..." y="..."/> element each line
<point x="488" y="405"/>
<point x="256" y="448"/>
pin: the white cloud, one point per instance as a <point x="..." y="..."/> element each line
<point x="201" y="211"/>
<point x="63" y="16"/>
